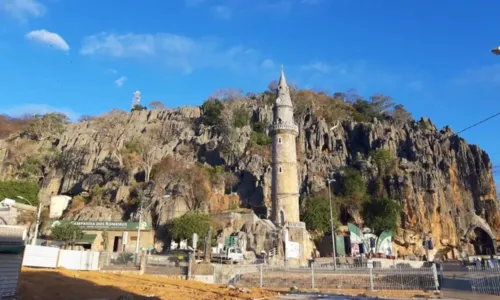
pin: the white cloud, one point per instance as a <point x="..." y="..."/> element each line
<point x="481" y="75"/>
<point x="22" y="9"/>
<point x="120" y="81"/>
<point x="223" y="12"/>
<point x="175" y="51"/>
<point x="416" y="84"/>
<point x="317" y="66"/>
<point x="267" y="64"/>
<point x="31" y="109"/>
<point x="111" y="71"/>
<point x="49" y="38"/>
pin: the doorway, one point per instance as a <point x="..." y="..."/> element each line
<point x="117" y="245"/>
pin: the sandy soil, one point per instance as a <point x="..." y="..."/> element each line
<point x="44" y="284"/>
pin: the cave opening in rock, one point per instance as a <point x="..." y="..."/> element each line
<point x="482" y="242"/>
<point x="345" y="216"/>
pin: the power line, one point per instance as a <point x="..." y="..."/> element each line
<point x="480" y="122"/>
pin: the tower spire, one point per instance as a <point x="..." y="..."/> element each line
<point x="282" y="82"/>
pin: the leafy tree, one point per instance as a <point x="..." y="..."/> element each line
<point x="260" y="139"/>
<point x="212" y="112"/>
<point x="259" y="127"/>
<point x="36" y="166"/>
<point x="227" y="95"/>
<point x="41" y="127"/>
<point x="138" y="107"/>
<point x="141" y="151"/>
<point x="183" y="227"/>
<point x="241" y="117"/>
<point x="316" y="214"/>
<point x="156" y="105"/>
<point x="353" y="185"/>
<point x="66" y="232"/>
<point x="384" y="159"/>
<point x="364" y="112"/>
<point x="381" y="214"/>
<point x="400" y="115"/>
<point x="381" y="104"/>
<point x="25" y="189"/>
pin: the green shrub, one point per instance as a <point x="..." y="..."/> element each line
<point x="381" y="214"/>
<point x="212" y="112"/>
<point x="241" y="117"/>
<point x="25" y="189"/>
<point x="66" y="232"/>
<point x="183" y="227"/>
<point x="316" y="214"/>
<point x="260" y="139"/>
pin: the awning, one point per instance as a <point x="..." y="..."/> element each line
<point x="86" y="239"/>
<point x="11" y="249"/>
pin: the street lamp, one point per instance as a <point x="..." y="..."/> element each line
<point x="496" y="50"/>
<point x="39" y="211"/>
<point x="332" y="227"/>
<point x="140" y="221"/>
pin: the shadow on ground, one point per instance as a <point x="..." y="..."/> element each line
<point x="56" y="286"/>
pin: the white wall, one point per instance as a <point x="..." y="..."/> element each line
<point x="57" y="205"/>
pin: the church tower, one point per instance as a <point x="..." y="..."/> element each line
<point x="285" y="182"/>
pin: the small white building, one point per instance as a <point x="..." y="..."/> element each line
<point x="57" y="205"/>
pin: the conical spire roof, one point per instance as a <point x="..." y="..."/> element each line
<point x="283" y="92"/>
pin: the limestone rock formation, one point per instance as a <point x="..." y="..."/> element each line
<point x="444" y="184"/>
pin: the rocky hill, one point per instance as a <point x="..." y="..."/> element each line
<point x="217" y="157"/>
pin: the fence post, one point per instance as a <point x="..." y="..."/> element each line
<point x="142" y="262"/>
<point x="435" y="275"/>
<point x="312" y="274"/>
<point x="190" y="264"/>
<point x="371" y="279"/>
<point x="261" y="277"/>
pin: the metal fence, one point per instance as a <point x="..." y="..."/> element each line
<point x="119" y="261"/>
<point x="325" y="277"/>
<point x="154" y="264"/>
<point x="485" y="279"/>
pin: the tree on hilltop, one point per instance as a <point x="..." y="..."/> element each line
<point x="156" y="104"/>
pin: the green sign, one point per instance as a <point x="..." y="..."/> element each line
<point x="103" y="225"/>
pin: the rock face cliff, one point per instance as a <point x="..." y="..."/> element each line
<point x="445" y="185"/>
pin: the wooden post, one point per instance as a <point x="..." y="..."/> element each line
<point x="142" y="267"/>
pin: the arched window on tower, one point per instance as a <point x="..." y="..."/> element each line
<point x="280" y="141"/>
<point x="280" y="120"/>
<point x="280" y="170"/>
<point x="282" y="217"/>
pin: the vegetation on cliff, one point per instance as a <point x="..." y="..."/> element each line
<point x="390" y="170"/>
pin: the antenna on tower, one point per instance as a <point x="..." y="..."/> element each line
<point x="137" y="98"/>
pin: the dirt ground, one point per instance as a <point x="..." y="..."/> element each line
<point x="45" y="284"/>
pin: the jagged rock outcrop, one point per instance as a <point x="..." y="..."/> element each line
<point x="444" y="184"/>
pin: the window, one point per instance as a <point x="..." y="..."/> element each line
<point x="280" y="170"/>
<point x="279" y="140"/>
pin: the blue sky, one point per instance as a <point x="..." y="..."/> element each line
<point x="87" y="57"/>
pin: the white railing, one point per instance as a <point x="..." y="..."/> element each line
<point x="485" y="279"/>
<point x="424" y="278"/>
<point x="285" y="126"/>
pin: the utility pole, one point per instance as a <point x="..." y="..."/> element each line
<point x="140" y="210"/>
<point x="332" y="227"/>
<point x="33" y="240"/>
<point x="139" y="226"/>
<point x="38" y="213"/>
